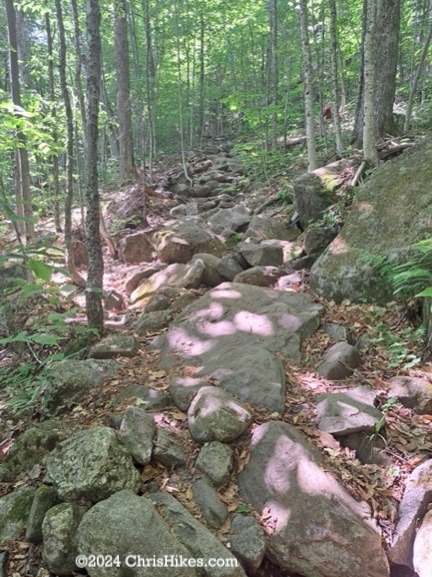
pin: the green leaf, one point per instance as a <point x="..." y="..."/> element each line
<point x="243" y="509"/>
<point x="45" y="339"/>
<point x="427" y="292"/>
<point x="41" y="270"/>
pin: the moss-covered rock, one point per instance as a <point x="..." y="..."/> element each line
<point x="390" y="213"/>
<point x="14" y="512"/>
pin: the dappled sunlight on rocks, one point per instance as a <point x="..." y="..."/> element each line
<point x="253" y="323"/>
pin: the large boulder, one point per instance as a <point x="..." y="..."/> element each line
<point x="179" y="243"/>
<point x="390" y="213"/>
<point x="14" y="512"/>
<point x="130" y="527"/>
<point x="92" y="465"/>
<point x="135" y="248"/>
<point x="316" y="528"/>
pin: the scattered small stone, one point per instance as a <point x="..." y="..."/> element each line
<point x="337" y="332"/>
<point x="229" y="267"/>
<point x="115" y="346"/>
<point x="45" y="497"/>
<point x="213" y="510"/>
<point x="248" y="542"/>
<point x="339" y="362"/>
<point x="137" y="431"/>
<point x="412" y="392"/>
<point x="59" y="537"/>
<point x="167" y="451"/>
<point x="215" y="459"/>
<point x="263" y="276"/>
<point x="184" y="389"/>
<point x="262" y="254"/>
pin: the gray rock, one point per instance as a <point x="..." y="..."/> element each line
<point x="14" y="512"/>
<point x="248" y="542"/>
<point x="212" y="509"/>
<point x="137" y="431"/>
<point x="152" y="322"/>
<point x="262" y="254"/>
<point x="167" y="451"/>
<point x="412" y="392"/>
<point x="229" y="267"/>
<point x="196" y="537"/>
<point x="183" y="301"/>
<point x="4" y="558"/>
<point x="252" y="373"/>
<point x="31" y="448"/>
<point x="266" y="227"/>
<point x="227" y="220"/>
<point x="263" y="276"/>
<point x="135" y="248"/>
<point x="178" y="244"/>
<point x="69" y="380"/>
<point x="115" y="346"/>
<point x="135" y="278"/>
<point x="348" y="412"/>
<point x="422" y="554"/>
<point x="91" y="464"/>
<point x="216" y="460"/>
<point x="147" y="397"/>
<point x="317" y="527"/>
<point x="216" y="416"/>
<point x="184" y="389"/>
<point x="158" y="302"/>
<point x="44" y="498"/>
<point x="303" y="262"/>
<point x="316" y="240"/>
<point x="126" y="524"/>
<point x="339" y="362"/>
<point x="390" y="213"/>
<point x="315" y="191"/>
<point x="59" y="537"/>
<point x="211" y="277"/>
<point x="414" y="504"/>
<point x="174" y="275"/>
<point x="369" y="449"/>
<point x="237" y="316"/>
<point x="337" y="332"/>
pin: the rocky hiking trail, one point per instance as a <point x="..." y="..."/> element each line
<point x="229" y="411"/>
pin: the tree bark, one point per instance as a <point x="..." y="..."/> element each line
<point x="273" y="69"/>
<point x="23" y="194"/>
<point x="95" y="266"/>
<point x="124" y="110"/>
<point x="369" y="147"/>
<point x="335" y="76"/>
<point x="308" y="88"/>
<point x="386" y="57"/>
<point x="70" y="262"/>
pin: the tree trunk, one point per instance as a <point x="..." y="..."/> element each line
<point x="24" y="52"/>
<point x="23" y="194"/>
<point x="95" y="266"/>
<point x="273" y="70"/>
<point x="70" y="262"/>
<point x="308" y="89"/>
<point x="124" y="111"/>
<point x="369" y="148"/>
<point x="335" y="76"/>
<point x="386" y="57"/>
<point x="359" y="113"/>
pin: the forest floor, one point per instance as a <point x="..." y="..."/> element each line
<point x="393" y="349"/>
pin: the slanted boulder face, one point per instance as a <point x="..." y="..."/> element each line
<point x="135" y="248"/>
<point x="390" y="213"/>
<point x="178" y="243"/>
<point x="315" y="191"/>
<point x="317" y="528"/>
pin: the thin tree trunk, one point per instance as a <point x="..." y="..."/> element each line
<point x="308" y="92"/>
<point x="55" y="158"/>
<point x="124" y="111"/>
<point x="273" y="69"/>
<point x="416" y="79"/>
<point x="95" y="267"/>
<point x="359" y="113"/>
<point x="70" y="262"/>
<point x="23" y="159"/>
<point x="335" y="77"/>
<point x="369" y="145"/>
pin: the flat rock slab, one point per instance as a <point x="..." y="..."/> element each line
<point x="239" y="316"/>
<point x="316" y="527"/>
<point x="348" y="412"/>
<point x="416" y="498"/>
<point x="115" y="346"/>
<point x="413" y="393"/>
